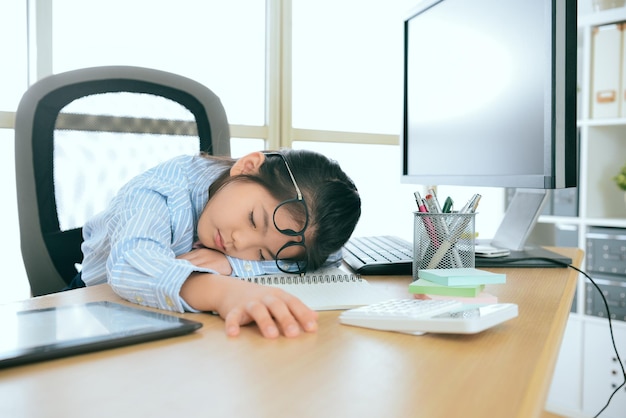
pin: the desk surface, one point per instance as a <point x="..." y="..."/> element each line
<point x="339" y="371"/>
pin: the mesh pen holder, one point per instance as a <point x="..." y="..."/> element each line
<point x="443" y="241"/>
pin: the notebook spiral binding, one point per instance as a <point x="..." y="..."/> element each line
<point x="306" y="279"/>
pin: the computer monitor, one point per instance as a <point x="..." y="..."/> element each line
<point x="490" y="95"/>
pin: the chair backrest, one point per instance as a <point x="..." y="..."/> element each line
<point x="80" y="135"/>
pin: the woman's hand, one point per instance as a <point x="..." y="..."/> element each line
<point x="207" y="258"/>
<point x="239" y="303"/>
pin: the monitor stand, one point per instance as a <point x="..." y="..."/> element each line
<point x="517" y="224"/>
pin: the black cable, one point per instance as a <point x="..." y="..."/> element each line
<point x="608" y="316"/>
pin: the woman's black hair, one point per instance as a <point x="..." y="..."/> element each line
<point x="331" y="197"/>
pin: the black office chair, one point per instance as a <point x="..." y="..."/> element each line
<point x="80" y="135"/>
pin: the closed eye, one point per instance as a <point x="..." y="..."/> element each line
<point x="251" y="218"/>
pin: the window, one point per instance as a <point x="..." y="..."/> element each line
<point x="347" y="100"/>
<point x="13" y="282"/>
<point x="13" y="82"/>
<point x="13" y="71"/>
<point x="347" y="65"/>
<point x="322" y="75"/>
<point x="220" y="44"/>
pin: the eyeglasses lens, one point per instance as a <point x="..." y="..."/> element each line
<point x="290" y="217"/>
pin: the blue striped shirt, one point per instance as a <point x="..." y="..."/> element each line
<point x="134" y="243"/>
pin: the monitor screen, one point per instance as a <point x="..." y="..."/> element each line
<point x="490" y="94"/>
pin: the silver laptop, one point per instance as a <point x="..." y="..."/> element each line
<point x="508" y="246"/>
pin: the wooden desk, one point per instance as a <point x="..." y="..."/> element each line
<point x="340" y="371"/>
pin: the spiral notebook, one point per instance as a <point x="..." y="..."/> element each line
<point x="326" y="290"/>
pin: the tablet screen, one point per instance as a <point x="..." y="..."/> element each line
<point x="41" y="334"/>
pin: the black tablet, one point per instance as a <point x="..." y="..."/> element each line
<point x="43" y="334"/>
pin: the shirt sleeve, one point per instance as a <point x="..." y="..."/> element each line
<point x="249" y="268"/>
<point x="142" y="267"/>
<point x="133" y="243"/>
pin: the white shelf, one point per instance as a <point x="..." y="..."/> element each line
<point x="601" y="204"/>
<point x="611" y="222"/>
<point x="602" y="122"/>
<point x="603" y="17"/>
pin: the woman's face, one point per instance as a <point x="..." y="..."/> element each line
<point x="238" y="221"/>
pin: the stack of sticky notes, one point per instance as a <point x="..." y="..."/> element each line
<point x="464" y="284"/>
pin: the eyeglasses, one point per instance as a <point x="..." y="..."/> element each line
<point x="284" y="263"/>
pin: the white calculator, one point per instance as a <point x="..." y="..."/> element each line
<point x="418" y="316"/>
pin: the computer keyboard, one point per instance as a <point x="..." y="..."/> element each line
<point x="390" y="255"/>
<point x="379" y="255"/>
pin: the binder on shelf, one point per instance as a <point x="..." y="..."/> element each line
<point x="606" y="63"/>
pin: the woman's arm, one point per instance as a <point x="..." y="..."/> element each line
<point x="239" y="303"/>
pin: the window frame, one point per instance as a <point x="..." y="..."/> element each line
<point x="277" y="132"/>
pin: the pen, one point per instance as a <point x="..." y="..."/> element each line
<point x="456" y="233"/>
<point x="420" y="202"/>
<point x="442" y="228"/>
<point x="447" y="205"/>
<point x="470" y="207"/>
<point x="434" y="201"/>
<point x="473" y="202"/>
<point x="430" y="228"/>
<point x="431" y="204"/>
